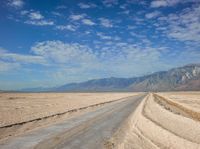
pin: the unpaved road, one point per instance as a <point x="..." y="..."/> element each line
<point x="88" y="131"/>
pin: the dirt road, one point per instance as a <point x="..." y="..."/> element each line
<point x="87" y="131"/>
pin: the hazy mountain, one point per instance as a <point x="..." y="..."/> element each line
<point x="182" y="78"/>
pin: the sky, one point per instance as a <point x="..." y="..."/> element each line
<point x="53" y="42"/>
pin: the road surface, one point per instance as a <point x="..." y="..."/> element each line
<point x="87" y="131"/>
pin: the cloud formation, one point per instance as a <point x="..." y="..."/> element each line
<point x="110" y="3"/>
<point x="164" y="3"/>
<point x="103" y="36"/>
<point x="16" y="3"/>
<point x="35" y="15"/>
<point x="184" y="26"/>
<point x="105" y="22"/>
<point x="87" y="5"/>
<point x="9" y="57"/>
<point x="83" y="18"/>
<point x="67" y="27"/>
<point x="35" y="18"/>
<point x="59" y="52"/>
<point x="76" y="17"/>
<point x="88" y="22"/>
<point x="100" y="39"/>
<point x="152" y="15"/>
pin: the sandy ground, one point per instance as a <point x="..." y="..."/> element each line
<point x="21" y="108"/>
<point x="87" y="131"/>
<point x="163" y="120"/>
<point x="191" y="99"/>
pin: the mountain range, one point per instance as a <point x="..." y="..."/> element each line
<point x="186" y="78"/>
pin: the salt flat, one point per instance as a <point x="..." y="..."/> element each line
<point x="17" y="108"/>
<point x="165" y="120"/>
<point x="162" y="120"/>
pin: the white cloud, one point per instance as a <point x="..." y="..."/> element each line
<point x="123" y="6"/>
<point x="76" y="17"/>
<point x="21" y="58"/>
<point x="57" y="14"/>
<point x="59" y="52"/>
<point x="35" y="16"/>
<point x="88" y="22"/>
<point x="50" y="54"/>
<point x="83" y="18"/>
<point x="152" y="15"/>
<point x="106" y="22"/>
<point x="103" y="36"/>
<point x="127" y="60"/>
<point x="8" y="66"/>
<point x="64" y="62"/>
<point x="184" y="26"/>
<point x="168" y="3"/>
<point x="110" y="3"/>
<point x="159" y="3"/>
<point x="67" y="27"/>
<point x="39" y="22"/>
<point x="126" y="12"/>
<point x="16" y="3"/>
<point x="86" y="6"/>
<point x="79" y="58"/>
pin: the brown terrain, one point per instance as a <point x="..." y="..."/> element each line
<point x="165" y="120"/>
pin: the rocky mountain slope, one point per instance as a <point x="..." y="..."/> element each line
<point x="182" y="78"/>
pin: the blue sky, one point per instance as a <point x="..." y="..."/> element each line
<point x="49" y="43"/>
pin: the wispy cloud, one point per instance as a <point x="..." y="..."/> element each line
<point x="16" y="3"/>
<point x="21" y="58"/>
<point x="83" y="18"/>
<point x="76" y="57"/>
<point x="57" y="13"/>
<point x="167" y="3"/>
<point x="88" y="22"/>
<point x="106" y="22"/>
<point x="65" y="61"/>
<point x="40" y="22"/>
<point x="159" y="3"/>
<point x="103" y="36"/>
<point x="67" y="27"/>
<point x="87" y="5"/>
<point x="35" y="18"/>
<point x="124" y="42"/>
<point x="152" y="15"/>
<point x="49" y="53"/>
<point x="8" y="66"/>
<point x="76" y="17"/>
<point x="184" y="26"/>
<point x="35" y="15"/>
<point x="110" y="3"/>
<point x="63" y="53"/>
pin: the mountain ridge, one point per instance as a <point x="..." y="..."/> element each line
<point x="175" y="79"/>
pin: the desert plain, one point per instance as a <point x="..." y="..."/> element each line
<point x="21" y="112"/>
<point x="163" y="120"/>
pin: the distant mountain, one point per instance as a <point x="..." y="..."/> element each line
<point x="182" y="78"/>
<point x="36" y="89"/>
